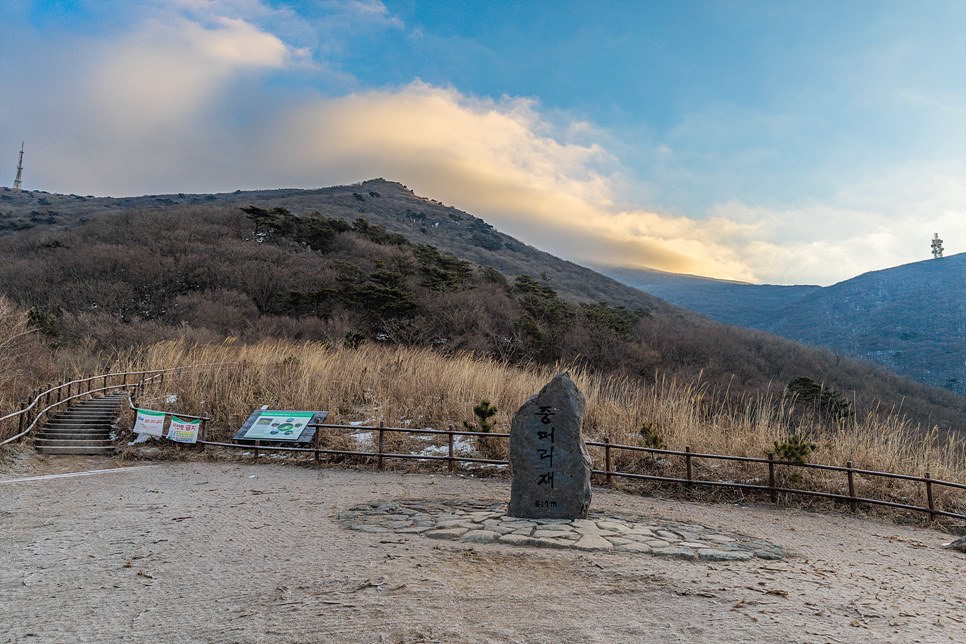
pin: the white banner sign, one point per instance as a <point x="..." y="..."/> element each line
<point x="149" y="423"/>
<point x="183" y="431"/>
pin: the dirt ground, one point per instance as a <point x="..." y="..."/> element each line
<point x="224" y="552"/>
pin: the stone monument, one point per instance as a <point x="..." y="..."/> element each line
<point x="548" y="457"/>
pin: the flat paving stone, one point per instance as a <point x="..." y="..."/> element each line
<point x="485" y="522"/>
<point x="480" y="536"/>
<point x="446" y="533"/>
<point x="677" y="553"/>
<point x="724" y="555"/>
<point x="515" y="539"/>
<point x="591" y="543"/>
<point x="633" y="547"/>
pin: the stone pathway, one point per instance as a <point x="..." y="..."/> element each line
<point x="486" y="522"/>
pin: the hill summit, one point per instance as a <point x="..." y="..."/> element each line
<point x="375" y="263"/>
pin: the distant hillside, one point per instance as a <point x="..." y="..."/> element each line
<point x="737" y="303"/>
<point x="910" y="318"/>
<point x="370" y="263"/>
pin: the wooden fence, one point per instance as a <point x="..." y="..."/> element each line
<point x="34" y="409"/>
<point x="769" y="465"/>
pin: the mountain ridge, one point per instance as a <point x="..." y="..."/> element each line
<point x="880" y="315"/>
<point x="201" y="269"/>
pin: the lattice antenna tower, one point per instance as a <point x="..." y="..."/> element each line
<point x="937" y="246"/>
<point x="16" y="182"/>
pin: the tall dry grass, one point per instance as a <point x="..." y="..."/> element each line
<point x="410" y="387"/>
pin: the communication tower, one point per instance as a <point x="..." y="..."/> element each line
<point x="16" y="182"/>
<point x="937" y="246"/>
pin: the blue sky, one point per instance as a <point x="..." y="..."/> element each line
<point x="768" y="141"/>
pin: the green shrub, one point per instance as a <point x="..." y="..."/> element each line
<point x="651" y="437"/>
<point x="795" y="449"/>
<point x="483" y="412"/>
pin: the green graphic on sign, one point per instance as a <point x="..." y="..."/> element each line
<point x="279" y="425"/>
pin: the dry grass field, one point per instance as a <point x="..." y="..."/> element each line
<point x="419" y="388"/>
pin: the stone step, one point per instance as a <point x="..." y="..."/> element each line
<point x="89" y="411"/>
<point x="45" y="442"/>
<point x="84" y="428"/>
<point x="68" y="435"/>
<point x="84" y="450"/>
<point x="70" y="422"/>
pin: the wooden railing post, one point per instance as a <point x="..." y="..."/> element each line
<point x="316" y="439"/>
<point x="607" y="469"/>
<point x="687" y="463"/>
<point x="449" y="440"/>
<point x="59" y="385"/>
<point x="20" y="429"/>
<point x="852" y="502"/>
<point x="381" y="443"/>
<point x="929" y="499"/>
<point x="771" y="478"/>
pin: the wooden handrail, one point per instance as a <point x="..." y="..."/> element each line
<point x="36" y="404"/>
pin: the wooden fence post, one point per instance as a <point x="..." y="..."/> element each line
<point x="202" y="434"/>
<point x="687" y="463"/>
<point x="771" y="478"/>
<point x="449" y="440"/>
<point x="852" y="502"/>
<point x="381" y="442"/>
<point x="316" y="439"/>
<point x="607" y="459"/>
<point x="929" y="499"/>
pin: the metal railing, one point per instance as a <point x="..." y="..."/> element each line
<point x="43" y="400"/>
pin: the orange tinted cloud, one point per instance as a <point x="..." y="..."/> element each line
<point x="499" y="160"/>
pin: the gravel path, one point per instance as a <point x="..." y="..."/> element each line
<point x="219" y="552"/>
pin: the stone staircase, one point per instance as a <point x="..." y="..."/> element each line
<point x="84" y="428"/>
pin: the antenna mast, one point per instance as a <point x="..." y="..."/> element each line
<point x="937" y="246"/>
<point x="16" y="182"/>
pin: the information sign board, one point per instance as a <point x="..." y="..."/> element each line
<point x="269" y="425"/>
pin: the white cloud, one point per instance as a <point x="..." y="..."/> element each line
<point x="177" y="104"/>
<point x="171" y="72"/>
